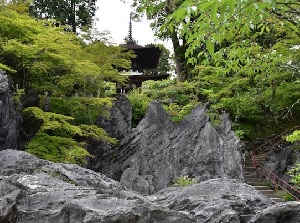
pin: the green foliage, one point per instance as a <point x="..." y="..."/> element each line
<point x="97" y="133"/>
<point x="46" y="57"/>
<point x="75" y="13"/>
<point x="139" y="103"/>
<point x="295" y="175"/>
<point x="295" y="136"/>
<point x="178" y="99"/>
<point x="177" y="113"/>
<point x="58" y="140"/>
<point x="183" y="181"/>
<point x="169" y="91"/>
<point x="285" y="195"/>
<point x="17" y="96"/>
<point x="84" y="110"/>
<point x="57" y="149"/>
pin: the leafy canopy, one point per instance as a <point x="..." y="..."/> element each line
<point x="58" y="140"/>
<point x="48" y="58"/>
<point x="75" y="13"/>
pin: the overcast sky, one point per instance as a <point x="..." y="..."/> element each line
<point x="113" y="15"/>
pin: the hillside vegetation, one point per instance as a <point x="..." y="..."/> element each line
<point x="240" y="56"/>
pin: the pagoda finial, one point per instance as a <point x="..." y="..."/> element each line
<point x="129" y="38"/>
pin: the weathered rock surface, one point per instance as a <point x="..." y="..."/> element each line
<point x="216" y="200"/>
<point x="278" y="159"/>
<point x="118" y="125"/>
<point x="158" y="150"/>
<point x="288" y="212"/>
<point x="8" y="115"/>
<point x="34" y="191"/>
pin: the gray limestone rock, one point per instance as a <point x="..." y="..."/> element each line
<point x="118" y="124"/>
<point x="214" y="201"/>
<point x="35" y="191"/>
<point x="278" y="159"/>
<point x="157" y="151"/>
<point x="287" y="212"/>
<point x="8" y="115"/>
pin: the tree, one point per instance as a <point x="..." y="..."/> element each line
<point x="20" y="6"/>
<point x="158" y="11"/>
<point x="47" y="58"/>
<point x="75" y="13"/>
<point x="204" y="27"/>
<point x="243" y="55"/>
<point x="164" y="65"/>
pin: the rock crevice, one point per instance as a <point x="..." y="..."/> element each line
<point x="8" y="115"/>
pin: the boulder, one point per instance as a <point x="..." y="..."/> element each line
<point x="214" y="201"/>
<point x="34" y="190"/>
<point x="8" y="115"/>
<point x="287" y="212"/>
<point x="158" y="151"/>
<point x="278" y="159"/>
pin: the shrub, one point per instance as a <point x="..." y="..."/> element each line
<point x="139" y="103"/>
<point x="183" y="181"/>
<point x="58" y="139"/>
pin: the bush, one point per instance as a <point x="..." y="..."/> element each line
<point x="84" y="110"/>
<point x="139" y="103"/>
<point x="183" y="181"/>
<point x="58" y="139"/>
<point x="285" y="195"/>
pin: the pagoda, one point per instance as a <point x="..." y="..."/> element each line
<point x="146" y="58"/>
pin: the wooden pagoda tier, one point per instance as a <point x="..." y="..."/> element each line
<point x="146" y="57"/>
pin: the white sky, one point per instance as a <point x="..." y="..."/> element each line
<point x="113" y="15"/>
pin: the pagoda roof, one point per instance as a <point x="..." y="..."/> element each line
<point x="132" y="46"/>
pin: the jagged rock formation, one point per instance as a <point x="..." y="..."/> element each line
<point x="278" y="159"/>
<point x="158" y="150"/>
<point x="34" y="190"/>
<point x="118" y="124"/>
<point x="8" y="115"/>
<point x="216" y="200"/>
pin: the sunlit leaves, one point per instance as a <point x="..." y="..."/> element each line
<point x="46" y="57"/>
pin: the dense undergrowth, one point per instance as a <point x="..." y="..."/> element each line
<point x="249" y="112"/>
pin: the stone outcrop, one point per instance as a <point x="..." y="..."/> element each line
<point x="216" y="200"/>
<point x="288" y="212"/>
<point x="278" y="159"/>
<point x="34" y="190"/>
<point x="118" y="124"/>
<point x="157" y="151"/>
<point x="8" y="115"/>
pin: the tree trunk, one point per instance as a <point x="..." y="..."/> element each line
<point x="181" y="71"/>
<point x="73" y="16"/>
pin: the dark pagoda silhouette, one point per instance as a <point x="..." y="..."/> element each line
<point x="146" y="58"/>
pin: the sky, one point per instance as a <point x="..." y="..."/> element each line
<point x="113" y="15"/>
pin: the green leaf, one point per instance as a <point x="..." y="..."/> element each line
<point x="210" y="46"/>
